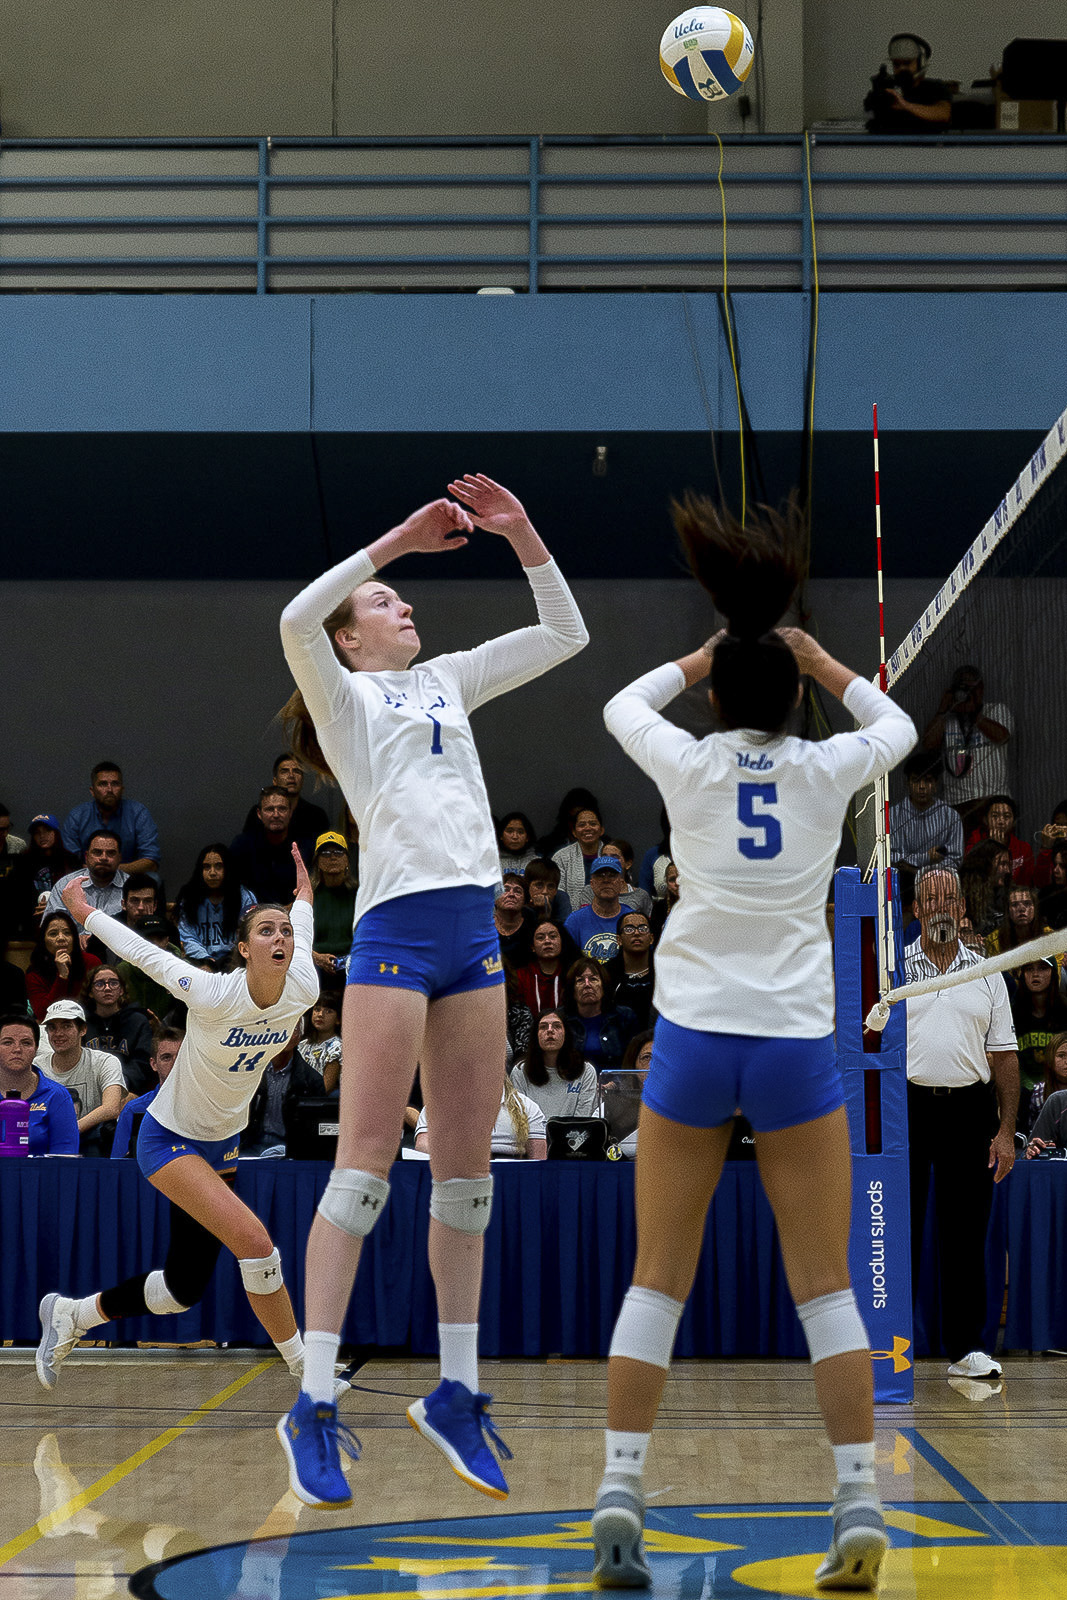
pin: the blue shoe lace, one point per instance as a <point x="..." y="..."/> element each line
<point x="482" y="1402"/>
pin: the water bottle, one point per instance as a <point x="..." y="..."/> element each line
<point x="14" y="1127"/>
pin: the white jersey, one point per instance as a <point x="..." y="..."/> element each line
<point x="755" y="829"/>
<point x="229" y="1040"/>
<point x="400" y="743"/>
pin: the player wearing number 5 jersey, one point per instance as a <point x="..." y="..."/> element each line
<point x="745" y="1002"/>
<point x="425" y="979"/>
<point x="187" y="1146"/>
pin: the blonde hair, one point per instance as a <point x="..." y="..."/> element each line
<point x="294" y="714"/>
<point x="520" y="1121"/>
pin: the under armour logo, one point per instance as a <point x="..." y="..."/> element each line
<point x="628" y="1455"/>
<point x="480" y="1200"/>
<point x="369" y="1200"/>
<point x="383" y="966"/>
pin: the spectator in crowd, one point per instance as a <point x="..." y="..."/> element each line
<point x="209" y="908"/>
<point x="592" y="927"/>
<point x="289" y="1078"/>
<point x="117" y="1027"/>
<point x="519" y="1019"/>
<point x="140" y="900"/>
<point x="1052" y="900"/>
<point x="1038" y="1014"/>
<point x="58" y="965"/>
<point x="263" y="857"/>
<point x="630" y="898"/>
<point x="1050" y="1127"/>
<point x="973" y="740"/>
<point x="12" y="849"/>
<point x="128" y="820"/>
<point x="1055" y="1079"/>
<point x="631" y="970"/>
<point x="103" y="890"/>
<point x="518" y="1133"/>
<point x="93" y="1078"/>
<point x="997" y="822"/>
<point x="646" y="877"/>
<point x="53" y="1124"/>
<point x="12" y="986"/>
<point x="561" y="833"/>
<point x="601" y="1029"/>
<point x="1021" y="922"/>
<point x="552" y="1072"/>
<point x="166" y="1043"/>
<point x="575" y="860"/>
<point x="985" y="873"/>
<point x="1052" y="836"/>
<point x="960" y="1040"/>
<point x="45" y="860"/>
<point x="620" y="1094"/>
<point x="153" y="998"/>
<point x="923" y="830"/>
<point x="515" y="841"/>
<point x="306" y="820"/>
<point x="335" y="903"/>
<point x="320" y="1039"/>
<point x="511" y="924"/>
<point x="552" y="950"/>
<point x="11" y="844"/>
<point x="908" y="101"/>
<point x="543" y="890"/>
<point x="668" y="887"/>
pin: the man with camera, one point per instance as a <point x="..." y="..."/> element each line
<point x="972" y="738"/>
<point x="963" y="1068"/>
<point x="906" y="100"/>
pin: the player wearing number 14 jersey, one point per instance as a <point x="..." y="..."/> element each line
<point x="745" y="1003"/>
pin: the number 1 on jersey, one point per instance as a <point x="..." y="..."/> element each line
<point x="436" y="748"/>
<point x="765" y="794"/>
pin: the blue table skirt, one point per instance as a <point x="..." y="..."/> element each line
<point x="560" y="1250"/>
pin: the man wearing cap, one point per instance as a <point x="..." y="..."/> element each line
<point x="93" y="1077"/>
<point x="593" y="927"/>
<point x="335" y="902"/>
<point x="263" y="858"/>
<point x="143" y="991"/>
<point x="909" y="102"/>
<point x="108" y="808"/>
<point x="106" y="878"/>
<point x="40" y="868"/>
<point x="963" y="1094"/>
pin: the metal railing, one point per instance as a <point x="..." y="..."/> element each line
<point x="532" y="214"/>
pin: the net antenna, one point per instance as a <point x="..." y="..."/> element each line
<point x="886" y="942"/>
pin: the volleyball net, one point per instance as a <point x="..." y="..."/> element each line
<point x="992" y="646"/>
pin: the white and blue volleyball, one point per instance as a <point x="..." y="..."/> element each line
<point x="706" y="53"/>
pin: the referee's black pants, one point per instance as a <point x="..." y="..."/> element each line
<point x="948" y="1135"/>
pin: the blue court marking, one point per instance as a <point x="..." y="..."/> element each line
<point x="1000" y="1522"/>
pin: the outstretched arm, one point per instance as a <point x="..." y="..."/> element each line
<point x="495" y="509"/>
<point x="304" y="891"/>
<point x="183" y="981"/>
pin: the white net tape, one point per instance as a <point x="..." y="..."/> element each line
<point x="1050" y="944"/>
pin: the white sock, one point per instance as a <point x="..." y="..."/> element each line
<point x="292" y="1353"/>
<point x="459" y="1353"/>
<point x="86" y="1315"/>
<point x="624" y="1453"/>
<point x="854" y="1463"/>
<point x="320" y="1358"/>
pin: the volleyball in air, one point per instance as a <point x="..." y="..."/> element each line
<point x="706" y="53"/>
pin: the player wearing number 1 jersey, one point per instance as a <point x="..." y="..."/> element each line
<point x="187" y="1146"/>
<point x="425" y="978"/>
<point x="745" y="1003"/>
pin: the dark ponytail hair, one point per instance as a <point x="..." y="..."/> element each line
<point x="751" y="573"/>
<point x="296" y="718"/>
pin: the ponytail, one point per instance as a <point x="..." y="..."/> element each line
<point x="751" y="573"/>
<point x="520" y="1121"/>
<point x="294" y="715"/>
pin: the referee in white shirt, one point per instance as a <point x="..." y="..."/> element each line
<point x="963" y="1092"/>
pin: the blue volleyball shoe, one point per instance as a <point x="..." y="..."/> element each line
<point x="313" y="1439"/>
<point x="458" y="1423"/>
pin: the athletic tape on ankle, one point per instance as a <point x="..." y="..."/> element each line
<point x="354" y="1201"/>
<point x="832" y="1325"/>
<point x="158" y="1298"/>
<point x="462" y="1203"/>
<point x="262" y="1276"/>
<point x="646" y="1327"/>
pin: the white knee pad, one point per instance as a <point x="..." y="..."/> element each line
<point x="833" y="1325"/>
<point x="462" y="1203"/>
<point x="158" y="1298"/>
<point x="354" y="1201"/>
<point x="646" y="1327"/>
<point x="263" y="1276"/>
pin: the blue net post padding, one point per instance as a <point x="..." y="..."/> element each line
<point x="880" y="1249"/>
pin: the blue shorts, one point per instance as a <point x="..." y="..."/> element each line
<point x="440" y="942"/>
<point x="157" y="1146"/>
<point x="701" y="1079"/>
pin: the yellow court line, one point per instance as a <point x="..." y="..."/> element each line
<point x="22" y="1541"/>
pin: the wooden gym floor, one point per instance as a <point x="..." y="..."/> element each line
<point x="136" y="1459"/>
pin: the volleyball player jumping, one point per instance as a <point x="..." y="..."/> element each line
<point x="187" y="1146"/>
<point x="745" y="1002"/>
<point x="425" y="979"/>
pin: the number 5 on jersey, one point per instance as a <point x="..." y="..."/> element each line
<point x="751" y="796"/>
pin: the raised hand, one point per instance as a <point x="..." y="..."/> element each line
<point x="434" y="527"/>
<point x="492" y="507"/>
<point x="73" y="897"/>
<point x="304" y="890"/>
